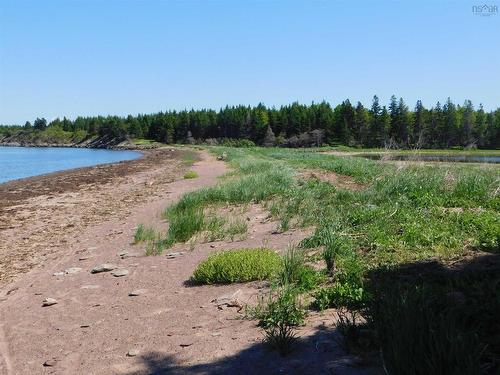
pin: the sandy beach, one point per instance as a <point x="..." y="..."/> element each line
<point x="147" y="318"/>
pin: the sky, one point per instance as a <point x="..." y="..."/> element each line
<point x="99" y="57"/>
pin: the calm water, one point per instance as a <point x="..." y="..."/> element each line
<point x="437" y="158"/>
<point x="20" y="162"/>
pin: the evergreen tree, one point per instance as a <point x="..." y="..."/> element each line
<point x="40" y="124"/>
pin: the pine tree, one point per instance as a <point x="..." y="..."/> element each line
<point x="419" y="125"/>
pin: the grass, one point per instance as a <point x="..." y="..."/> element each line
<point x="403" y="214"/>
<point x="144" y="234"/>
<point x="189" y="158"/>
<point x="190" y="174"/>
<point x="237" y="266"/>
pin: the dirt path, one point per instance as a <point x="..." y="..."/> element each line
<point x="169" y="327"/>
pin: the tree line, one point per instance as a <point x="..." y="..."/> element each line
<point x="297" y="125"/>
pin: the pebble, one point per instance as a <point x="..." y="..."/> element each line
<point x="50" y="362"/>
<point x="49" y="302"/>
<point x="137" y="292"/>
<point x="127" y="255"/>
<point x="85" y="257"/>
<point x="184" y="345"/>
<point x="175" y="255"/>
<point x="106" y="267"/>
<point x="58" y="274"/>
<point x="132" y="353"/>
<point x="119" y="272"/>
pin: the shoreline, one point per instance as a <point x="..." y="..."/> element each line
<point x="42" y="213"/>
<point x="142" y="154"/>
<point x="93" y="143"/>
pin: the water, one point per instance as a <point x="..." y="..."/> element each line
<point x="20" y="162"/>
<point x="436" y="158"/>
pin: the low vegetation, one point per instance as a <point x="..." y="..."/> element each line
<point x="237" y="266"/>
<point x="144" y="234"/>
<point x="401" y="214"/>
<point x="190" y="174"/>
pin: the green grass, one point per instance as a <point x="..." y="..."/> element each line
<point x="144" y="234"/>
<point x="403" y="214"/>
<point x="190" y="174"/>
<point x="189" y="158"/>
<point x="237" y="266"/>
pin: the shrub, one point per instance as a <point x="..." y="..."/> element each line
<point x="190" y="174"/>
<point x="238" y="266"/>
<point x="278" y="315"/>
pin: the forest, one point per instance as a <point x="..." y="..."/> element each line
<point x="296" y="125"/>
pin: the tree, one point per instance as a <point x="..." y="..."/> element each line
<point x="40" y="124"/>
<point x="418" y="125"/>
<point x="317" y="137"/>
<point x="376" y="130"/>
<point x="27" y="125"/>
<point x="361" y="124"/>
<point x="269" y="138"/>
<point x="466" y="125"/>
<point x="449" y="131"/>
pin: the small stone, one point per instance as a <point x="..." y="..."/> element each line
<point x="215" y="334"/>
<point x="106" y="267"/>
<point x="137" y="292"/>
<point x="85" y="257"/>
<point x="85" y="326"/>
<point x="49" y="302"/>
<point x="132" y="353"/>
<point x="212" y="246"/>
<point x="175" y="255"/>
<point x="229" y="300"/>
<point x="58" y="274"/>
<point x="127" y="255"/>
<point x="50" y="362"/>
<point x="184" y="345"/>
<point x="90" y="286"/>
<point x="72" y="270"/>
<point x="120" y="272"/>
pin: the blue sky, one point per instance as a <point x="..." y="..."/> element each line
<point x="90" y="57"/>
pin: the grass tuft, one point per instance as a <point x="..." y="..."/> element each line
<point x="190" y="174"/>
<point x="235" y="266"/>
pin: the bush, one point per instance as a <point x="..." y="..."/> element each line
<point x="238" y="266"/>
<point x="278" y="315"/>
